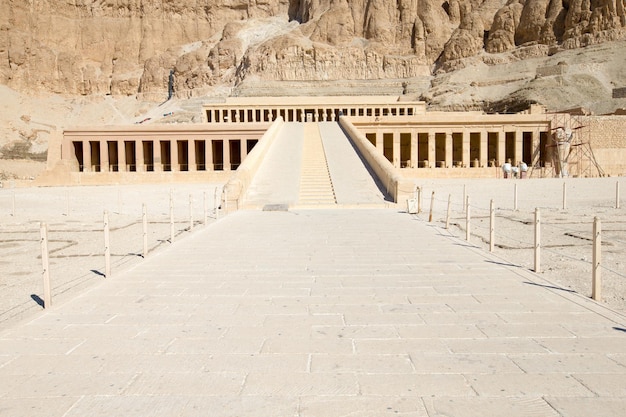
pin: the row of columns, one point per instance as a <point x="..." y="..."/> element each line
<point x="303" y="113"/>
<point x="482" y="158"/>
<point x="108" y="150"/>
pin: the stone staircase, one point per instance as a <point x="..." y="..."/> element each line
<point x="316" y="187"/>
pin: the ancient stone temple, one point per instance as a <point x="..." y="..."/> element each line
<point x="398" y="139"/>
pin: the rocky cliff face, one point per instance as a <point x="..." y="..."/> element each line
<point x="125" y="47"/>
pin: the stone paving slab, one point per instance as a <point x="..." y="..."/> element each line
<point x="318" y="313"/>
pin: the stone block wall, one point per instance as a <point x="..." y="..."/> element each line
<point x="552" y="70"/>
<point x="607" y="135"/>
<point x="606" y="131"/>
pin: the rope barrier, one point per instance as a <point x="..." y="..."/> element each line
<point x="552" y="227"/>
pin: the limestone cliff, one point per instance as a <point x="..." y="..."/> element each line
<point x="125" y="47"/>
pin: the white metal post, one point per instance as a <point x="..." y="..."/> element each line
<point x="596" y="279"/>
<point x="419" y="199"/>
<point x="171" y="217"/>
<point x="432" y="206"/>
<point x="537" y="240"/>
<point x="492" y="225"/>
<point x="448" y="211"/>
<point x="144" y="221"/>
<point x="45" y="261"/>
<point x="107" y="248"/>
<point x="467" y="219"/>
<point x="190" y="212"/>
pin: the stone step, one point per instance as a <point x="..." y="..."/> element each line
<point x="316" y="186"/>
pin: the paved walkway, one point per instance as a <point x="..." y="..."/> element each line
<point x="318" y="313"/>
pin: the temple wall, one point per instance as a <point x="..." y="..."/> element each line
<point x="607" y="135"/>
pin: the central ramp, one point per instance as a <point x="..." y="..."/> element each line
<point x="313" y="165"/>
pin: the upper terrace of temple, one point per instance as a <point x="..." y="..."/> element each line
<point x="307" y="109"/>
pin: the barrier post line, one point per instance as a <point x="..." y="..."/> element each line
<point x="45" y="261"/>
<point x="432" y="206"/>
<point x="190" y="212"/>
<point x="448" y="212"/>
<point x="492" y="225"/>
<point x="107" y="247"/>
<point x="596" y="279"/>
<point x="617" y="194"/>
<point x="171" y="218"/>
<point x="537" y="240"/>
<point x="205" y="220"/>
<point x="515" y="198"/>
<point x="564" y="196"/>
<point x="144" y="221"/>
<point x="467" y="219"/>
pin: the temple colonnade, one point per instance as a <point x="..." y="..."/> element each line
<point x="420" y="145"/>
<point x="306" y="109"/>
<point x="411" y="138"/>
<point x="160" y="150"/>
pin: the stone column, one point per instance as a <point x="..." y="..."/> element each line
<point x="484" y="148"/>
<point x="208" y="155"/>
<point x="226" y="155"/>
<point x="174" y="155"/>
<point x="536" y="145"/>
<point x="414" y="147"/>
<point x="121" y="156"/>
<point x="156" y="157"/>
<point x="86" y="156"/>
<point x="104" y="156"/>
<point x="380" y="142"/>
<point x="501" y="148"/>
<point x="139" y="163"/>
<point x="466" y="149"/>
<point x="191" y="154"/>
<point x="519" y="147"/>
<point x="396" y="149"/>
<point x="449" y="161"/>
<point x="432" y="150"/>
<point x="243" y="149"/>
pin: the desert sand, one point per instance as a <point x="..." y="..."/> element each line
<point x="74" y="217"/>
